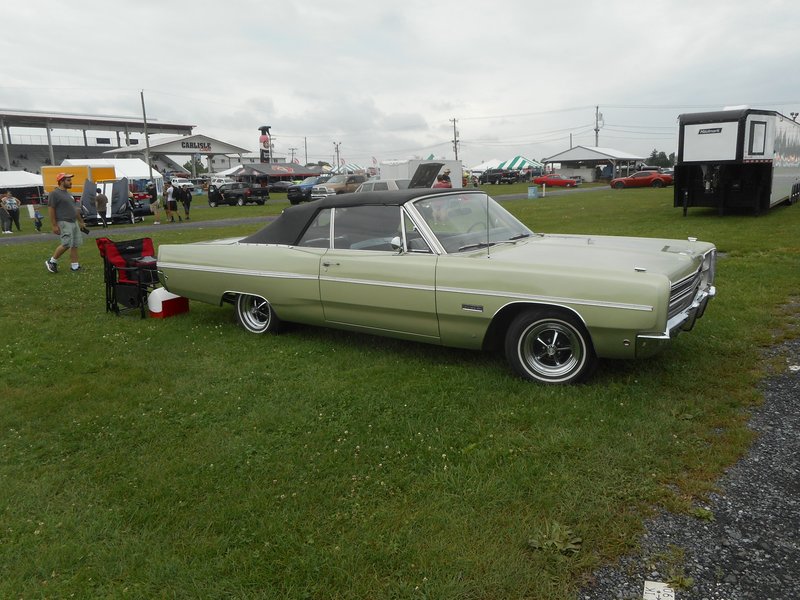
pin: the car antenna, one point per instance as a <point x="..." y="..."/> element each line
<point x="488" y="251"/>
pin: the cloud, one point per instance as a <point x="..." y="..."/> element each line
<point x="385" y="80"/>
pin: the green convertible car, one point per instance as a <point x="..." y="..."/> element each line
<point x="453" y="267"/>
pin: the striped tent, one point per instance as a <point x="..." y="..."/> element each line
<point x="348" y="168"/>
<point x="519" y="162"/>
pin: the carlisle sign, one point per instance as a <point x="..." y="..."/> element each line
<point x="201" y="146"/>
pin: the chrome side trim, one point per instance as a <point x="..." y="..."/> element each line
<point x="426" y="288"/>
<point x="550" y="299"/>
<point x="231" y="271"/>
<point x="391" y="284"/>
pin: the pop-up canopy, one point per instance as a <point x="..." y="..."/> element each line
<point x="19" y="179"/>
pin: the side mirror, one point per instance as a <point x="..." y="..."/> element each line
<point x="397" y="243"/>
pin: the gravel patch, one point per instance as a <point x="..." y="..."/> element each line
<point x="751" y="548"/>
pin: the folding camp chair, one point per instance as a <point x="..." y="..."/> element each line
<point x="129" y="273"/>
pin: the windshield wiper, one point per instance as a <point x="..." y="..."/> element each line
<point x="476" y="246"/>
<point x="519" y="236"/>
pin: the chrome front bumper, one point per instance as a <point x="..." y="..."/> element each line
<point x="650" y="343"/>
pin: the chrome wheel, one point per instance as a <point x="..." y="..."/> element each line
<point x="255" y="314"/>
<point x="550" y="347"/>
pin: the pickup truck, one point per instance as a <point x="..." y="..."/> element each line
<point x="301" y="192"/>
<point x="237" y="193"/>
<point x="499" y="176"/>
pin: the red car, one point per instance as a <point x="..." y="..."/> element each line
<point x="642" y="179"/>
<point x="555" y="180"/>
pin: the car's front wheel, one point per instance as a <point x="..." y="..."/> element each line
<point x="549" y="346"/>
<point x="657" y="183"/>
<point x="255" y="314"/>
<point x="619" y="185"/>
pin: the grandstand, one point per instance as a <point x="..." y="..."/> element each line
<point x="32" y="143"/>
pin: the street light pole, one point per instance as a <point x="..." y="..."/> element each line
<point x="146" y="139"/>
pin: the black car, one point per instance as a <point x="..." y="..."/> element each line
<point x="280" y="186"/>
<point x="236" y="193"/>
<point x="301" y="192"/>
<point x="494" y="176"/>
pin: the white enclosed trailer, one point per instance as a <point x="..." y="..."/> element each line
<point x="740" y="159"/>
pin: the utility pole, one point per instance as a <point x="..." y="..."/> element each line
<point x="598" y="122"/>
<point x="336" y="148"/>
<point x="455" y="136"/>
<point x="305" y="147"/>
<point x="292" y="151"/>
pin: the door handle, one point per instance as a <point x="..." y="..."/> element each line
<point x="330" y="264"/>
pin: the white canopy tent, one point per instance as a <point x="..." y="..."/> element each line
<point x="132" y="168"/>
<point x="488" y="164"/>
<point x="135" y="170"/>
<point x="19" y="179"/>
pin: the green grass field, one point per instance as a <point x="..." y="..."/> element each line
<point x="185" y="458"/>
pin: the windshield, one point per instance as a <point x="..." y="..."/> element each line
<point x="337" y="179"/>
<point x="309" y="181"/>
<point x="463" y="222"/>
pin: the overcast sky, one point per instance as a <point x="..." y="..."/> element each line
<point x="385" y="79"/>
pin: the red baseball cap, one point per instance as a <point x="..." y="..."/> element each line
<point x="61" y="176"/>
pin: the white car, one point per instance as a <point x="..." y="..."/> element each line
<point x="218" y="181"/>
<point x="383" y="185"/>
<point x="182" y="183"/>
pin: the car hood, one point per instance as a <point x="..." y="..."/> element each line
<point x="425" y="175"/>
<point x="672" y="258"/>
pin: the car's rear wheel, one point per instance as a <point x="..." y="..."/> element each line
<point x="657" y="183"/>
<point x="619" y="185"/>
<point x="255" y="314"/>
<point x="549" y="346"/>
<point x="240" y="201"/>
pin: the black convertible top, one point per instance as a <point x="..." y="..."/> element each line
<point x="292" y="222"/>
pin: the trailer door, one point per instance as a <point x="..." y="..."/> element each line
<point x="705" y="142"/>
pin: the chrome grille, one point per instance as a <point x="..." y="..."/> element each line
<point x="682" y="293"/>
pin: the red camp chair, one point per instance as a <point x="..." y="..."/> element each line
<point x="129" y="273"/>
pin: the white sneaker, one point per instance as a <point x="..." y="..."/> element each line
<point x="156" y="222"/>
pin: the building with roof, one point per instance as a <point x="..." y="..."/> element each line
<point x="592" y="162"/>
<point x="29" y="151"/>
